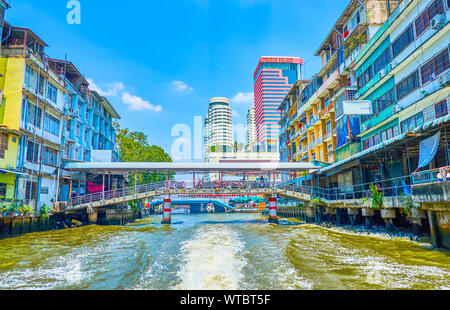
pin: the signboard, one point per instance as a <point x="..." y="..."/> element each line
<point x="262" y="206"/>
<point x="357" y="107"/>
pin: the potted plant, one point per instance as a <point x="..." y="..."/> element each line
<point x="13" y="209"/>
<point x="26" y="210"/>
<point x="44" y="212"/>
<point x="376" y="196"/>
<point x="3" y="208"/>
<point x="315" y="202"/>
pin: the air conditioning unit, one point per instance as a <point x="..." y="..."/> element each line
<point x="382" y="73"/>
<point x="397" y="109"/>
<point x="444" y="79"/>
<point x="392" y="65"/>
<point x="437" y="22"/>
<point x="363" y="128"/>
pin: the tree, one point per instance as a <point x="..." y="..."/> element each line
<point x="135" y="147"/>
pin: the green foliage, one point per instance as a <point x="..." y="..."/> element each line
<point x="365" y="199"/>
<point x="300" y="206"/>
<point x="407" y="205"/>
<point x="134" y="147"/>
<point x="13" y="208"/>
<point x="376" y="196"/>
<point x="354" y="42"/>
<point x="23" y="209"/>
<point x="44" y="211"/>
<point x="3" y="207"/>
<point x="316" y="201"/>
<point x="134" y="206"/>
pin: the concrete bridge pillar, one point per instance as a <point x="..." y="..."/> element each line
<point x="353" y="214"/>
<point x="309" y="214"/>
<point x="92" y="217"/>
<point x="417" y="216"/>
<point x="273" y="217"/>
<point x="167" y="212"/>
<point x="368" y="216"/>
<point x="388" y="216"/>
<point x="440" y="228"/>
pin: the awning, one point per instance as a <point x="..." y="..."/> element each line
<point x="12" y="171"/>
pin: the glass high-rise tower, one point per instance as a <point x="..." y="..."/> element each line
<point x="273" y="79"/>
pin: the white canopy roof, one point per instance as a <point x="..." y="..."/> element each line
<point x="192" y="166"/>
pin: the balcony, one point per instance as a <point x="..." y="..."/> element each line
<point x="312" y="145"/>
<point x="327" y="136"/>
<point x="315" y="120"/>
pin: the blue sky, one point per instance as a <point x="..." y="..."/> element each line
<point x="159" y="62"/>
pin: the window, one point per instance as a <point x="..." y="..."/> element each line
<point x="52" y="93"/>
<point x="386" y="100"/>
<point x="383" y="60"/>
<point x="3" y="190"/>
<point x="365" y="77"/>
<point x="441" y="109"/>
<point x="31" y="189"/>
<point x="403" y="41"/>
<point x="389" y="133"/>
<point x="412" y="123"/>
<point x="31" y="115"/>
<point x="4" y="139"/>
<point x="32" y="152"/>
<point x="434" y="67"/>
<point x="328" y="126"/>
<point x="51" y="124"/>
<point x="408" y="85"/>
<point x="372" y="141"/>
<point x="49" y="156"/>
<point x="423" y="21"/>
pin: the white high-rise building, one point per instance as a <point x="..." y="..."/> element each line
<point x="218" y="126"/>
<point x="251" y="129"/>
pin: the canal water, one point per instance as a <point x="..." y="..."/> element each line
<point x="218" y="251"/>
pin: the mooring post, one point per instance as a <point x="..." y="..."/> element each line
<point x="273" y="217"/>
<point x="167" y="213"/>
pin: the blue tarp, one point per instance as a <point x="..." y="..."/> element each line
<point x="428" y="150"/>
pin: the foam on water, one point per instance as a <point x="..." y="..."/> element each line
<point x="212" y="259"/>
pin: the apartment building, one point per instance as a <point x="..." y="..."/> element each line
<point x="403" y="73"/>
<point x="33" y="112"/>
<point x="312" y="130"/>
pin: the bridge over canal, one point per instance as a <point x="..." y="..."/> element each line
<point x="266" y="182"/>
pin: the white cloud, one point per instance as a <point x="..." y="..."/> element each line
<point x="243" y="98"/>
<point x="181" y="86"/>
<point x="118" y="89"/>
<point x="138" y="104"/>
<point x="113" y="89"/>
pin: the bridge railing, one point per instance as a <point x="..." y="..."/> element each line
<point x="214" y="187"/>
<point x="394" y="187"/>
<point x="117" y="193"/>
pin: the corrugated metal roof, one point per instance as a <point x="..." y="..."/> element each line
<point x="188" y="167"/>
